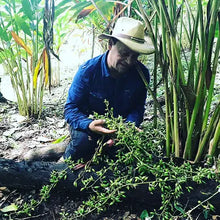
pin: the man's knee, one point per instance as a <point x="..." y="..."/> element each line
<point x="81" y="145"/>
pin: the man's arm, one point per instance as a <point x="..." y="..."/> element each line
<point x="76" y="101"/>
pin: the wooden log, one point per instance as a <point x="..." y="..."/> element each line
<point x="33" y="175"/>
<point x="50" y="152"/>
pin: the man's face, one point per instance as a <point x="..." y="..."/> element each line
<point x="121" y="58"/>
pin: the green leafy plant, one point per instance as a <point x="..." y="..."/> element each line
<point x="28" y="208"/>
<point x="138" y="159"/>
<point x="25" y="51"/>
<point x="191" y="125"/>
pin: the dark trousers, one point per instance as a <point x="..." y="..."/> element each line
<point x="83" y="145"/>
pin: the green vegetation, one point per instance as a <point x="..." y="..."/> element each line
<point x="22" y="52"/>
<point x="138" y="161"/>
<point x="191" y="127"/>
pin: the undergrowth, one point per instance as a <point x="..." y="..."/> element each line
<point x="138" y="160"/>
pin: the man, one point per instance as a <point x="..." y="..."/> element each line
<point x="111" y="76"/>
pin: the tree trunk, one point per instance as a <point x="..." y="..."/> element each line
<point x="51" y="152"/>
<point x="33" y="175"/>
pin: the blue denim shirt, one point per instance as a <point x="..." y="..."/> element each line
<point x="92" y="84"/>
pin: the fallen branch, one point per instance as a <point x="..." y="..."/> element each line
<point x="51" y="152"/>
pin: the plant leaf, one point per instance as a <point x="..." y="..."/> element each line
<point x="87" y="10"/>
<point x="144" y="215"/>
<point x="36" y="72"/>
<point x="60" y="11"/>
<point x="27" y="9"/>
<point x="46" y="65"/>
<point x="21" y="42"/>
<point x="79" y="7"/>
<point x="3" y="34"/>
<point x="61" y="7"/>
<point x="177" y="207"/>
<point x="59" y="140"/>
<point x="23" y="25"/>
<point x="9" y="208"/>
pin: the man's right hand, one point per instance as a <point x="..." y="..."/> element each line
<point x="97" y="127"/>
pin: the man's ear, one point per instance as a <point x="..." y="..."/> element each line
<point x="110" y="43"/>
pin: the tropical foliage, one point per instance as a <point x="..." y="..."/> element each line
<point x="25" y="50"/>
<point x="191" y="125"/>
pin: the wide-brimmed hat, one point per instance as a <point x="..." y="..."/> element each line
<point x="131" y="33"/>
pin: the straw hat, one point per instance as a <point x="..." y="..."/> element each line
<point x="131" y="33"/>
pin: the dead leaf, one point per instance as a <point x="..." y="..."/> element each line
<point x="10" y="208"/>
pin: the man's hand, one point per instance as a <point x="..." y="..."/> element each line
<point x="138" y="129"/>
<point x="97" y="127"/>
<point x="110" y="143"/>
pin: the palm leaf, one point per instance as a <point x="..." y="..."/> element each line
<point x="85" y="11"/>
<point x="46" y="66"/>
<point x="36" y="72"/>
<point x="20" y="42"/>
<point x="28" y="9"/>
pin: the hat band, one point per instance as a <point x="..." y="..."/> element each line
<point x="139" y="40"/>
